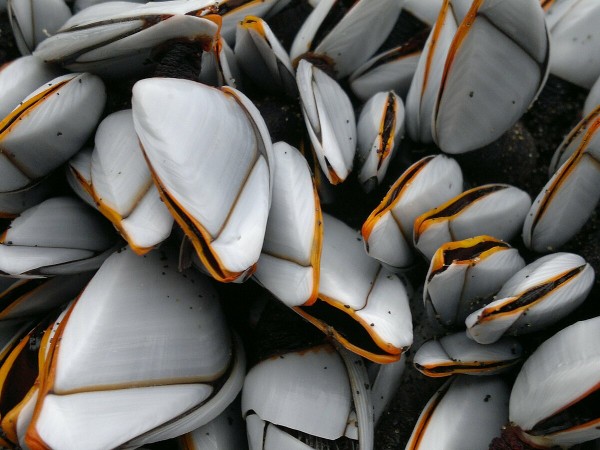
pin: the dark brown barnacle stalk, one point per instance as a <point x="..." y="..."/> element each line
<point x="509" y="440"/>
<point x="179" y="60"/>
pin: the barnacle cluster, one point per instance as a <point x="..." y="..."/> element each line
<point x="181" y="187"/>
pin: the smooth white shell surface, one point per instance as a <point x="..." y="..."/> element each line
<point x="345" y="268"/>
<point x="304" y="38"/>
<point x="373" y="77"/>
<point x="185" y="338"/>
<point x="60" y="230"/>
<point x="122" y="183"/>
<point x="463" y="94"/>
<point x="223" y="433"/>
<point x="52" y="224"/>
<point x="465" y="414"/>
<point x="24" y="419"/>
<point x="480" y="98"/>
<point x="32" y="21"/>
<point x="14" y="203"/>
<point x="21" y="77"/>
<point x="261" y="55"/>
<point x="574" y="34"/>
<point x="220" y="66"/>
<point x="425" y="10"/>
<point x="285" y="266"/>
<point x="208" y="411"/>
<point x="307" y="391"/>
<point x="115" y="38"/>
<point x="106" y="419"/>
<point x="357" y="36"/>
<point x="329" y="118"/>
<point x="264" y="436"/>
<point x="384" y="384"/>
<point x="119" y="172"/>
<point x="593" y="99"/>
<point x="42" y="135"/>
<point x="350" y="277"/>
<point x="420" y="100"/>
<point x="561" y="370"/>
<point x="259" y="8"/>
<point x="219" y="178"/>
<point x="52" y="293"/>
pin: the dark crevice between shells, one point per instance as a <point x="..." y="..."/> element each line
<point x="24" y="370"/>
<point x="230" y="5"/>
<point x="389" y="124"/>
<point x="211" y="261"/>
<point x="333" y="17"/>
<point x="534" y="294"/>
<point x="25" y="287"/>
<point x="414" y="44"/>
<point x="408" y="32"/>
<point x="319" y="443"/>
<point x="279" y="329"/>
<point x="475" y="367"/>
<point x="465" y="254"/>
<point x="344" y="324"/>
<point x="286" y="23"/>
<point x="465" y="201"/>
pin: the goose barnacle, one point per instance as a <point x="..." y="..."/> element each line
<point x="119" y="184"/>
<point x="191" y="149"/>
<point x="552" y="402"/>
<point x="388" y="231"/>
<point x="538" y="295"/>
